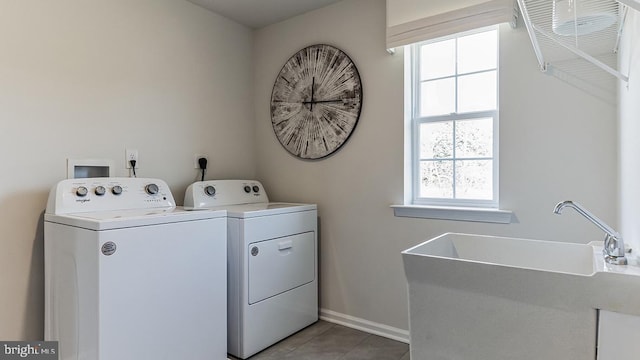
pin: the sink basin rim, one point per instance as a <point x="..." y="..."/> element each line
<point x="543" y="255"/>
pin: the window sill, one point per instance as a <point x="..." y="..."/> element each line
<point x="486" y="215"/>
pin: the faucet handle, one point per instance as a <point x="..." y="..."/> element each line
<point x="614" y="250"/>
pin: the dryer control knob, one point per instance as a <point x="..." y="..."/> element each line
<point x="116" y="190"/>
<point x="247" y="189"/>
<point x="82" y="191"/>
<point x="100" y="190"/>
<point x="151" y="189"/>
<point x="256" y="188"/>
<point x="210" y="190"/>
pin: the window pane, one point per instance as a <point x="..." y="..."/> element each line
<point x="437" y="97"/>
<point x="456" y="80"/>
<point x="436" y="179"/>
<point x="436" y="140"/>
<point x="478" y="52"/>
<point x="438" y="60"/>
<point x="474" y="138"/>
<point x="474" y="179"/>
<point x="477" y="92"/>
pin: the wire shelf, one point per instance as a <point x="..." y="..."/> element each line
<point x="577" y="41"/>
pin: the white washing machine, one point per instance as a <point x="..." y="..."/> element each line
<point x="128" y="276"/>
<point x="272" y="262"/>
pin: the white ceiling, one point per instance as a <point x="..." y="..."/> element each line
<point x="258" y="13"/>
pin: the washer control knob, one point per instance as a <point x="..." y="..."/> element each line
<point x="151" y="189"/>
<point x="210" y="190"/>
<point x="247" y="189"/>
<point x="100" y="190"/>
<point x="116" y="190"/>
<point x="82" y="191"/>
<point x="256" y="188"/>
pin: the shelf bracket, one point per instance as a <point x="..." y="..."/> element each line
<point x="532" y="35"/>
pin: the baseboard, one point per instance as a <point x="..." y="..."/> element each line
<point x="365" y="325"/>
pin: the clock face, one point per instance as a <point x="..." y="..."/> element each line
<point x="316" y="101"/>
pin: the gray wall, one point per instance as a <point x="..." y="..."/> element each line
<point x="88" y="78"/>
<point x="556" y="143"/>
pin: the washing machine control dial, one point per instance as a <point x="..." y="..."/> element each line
<point x="210" y="190"/>
<point x="151" y="189"/>
<point x="116" y="190"/>
<point x="247" y="189"/>
<point x="100" y="190"/>
<point x="256" y="188"/>
<point x="82" y="191"/>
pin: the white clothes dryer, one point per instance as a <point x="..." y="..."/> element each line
<point x="130" y="276"/>
<point x="272" y="262"/>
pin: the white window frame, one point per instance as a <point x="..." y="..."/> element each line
<point x="416" y="120"/>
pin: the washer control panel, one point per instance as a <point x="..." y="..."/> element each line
<point x="212" y="193"/>
<point x="106" y="194"/>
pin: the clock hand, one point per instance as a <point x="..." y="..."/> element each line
<point x="313" y="83"/>
<point x="329" y="101"/>
<point x="322" y="101"/>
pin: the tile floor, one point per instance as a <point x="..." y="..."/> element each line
<point x="327" y="341"/>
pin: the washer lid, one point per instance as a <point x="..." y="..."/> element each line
<point x="266" y="209"/>
<point x="106" y="220"/>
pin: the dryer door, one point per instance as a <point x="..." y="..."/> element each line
<point x="280" y="264"/>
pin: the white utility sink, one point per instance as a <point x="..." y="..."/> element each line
<point x="521" y="253"/>
<point x="488" y="297"/>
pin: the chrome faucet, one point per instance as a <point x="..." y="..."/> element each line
<point x="613" y="244"/>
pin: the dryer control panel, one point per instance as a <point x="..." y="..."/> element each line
<point x="212" y="193"/>
<point x="106" y="194"/>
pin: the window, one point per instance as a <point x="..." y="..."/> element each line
<point x="454" y="120"/>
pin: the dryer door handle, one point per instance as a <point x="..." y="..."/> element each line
<point x="284" y="245"/>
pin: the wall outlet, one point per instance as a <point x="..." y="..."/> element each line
<point x="131" y="154"/>
<point x="196" y="157"/>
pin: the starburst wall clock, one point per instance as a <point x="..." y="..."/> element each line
<point x="316" y="101"/>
